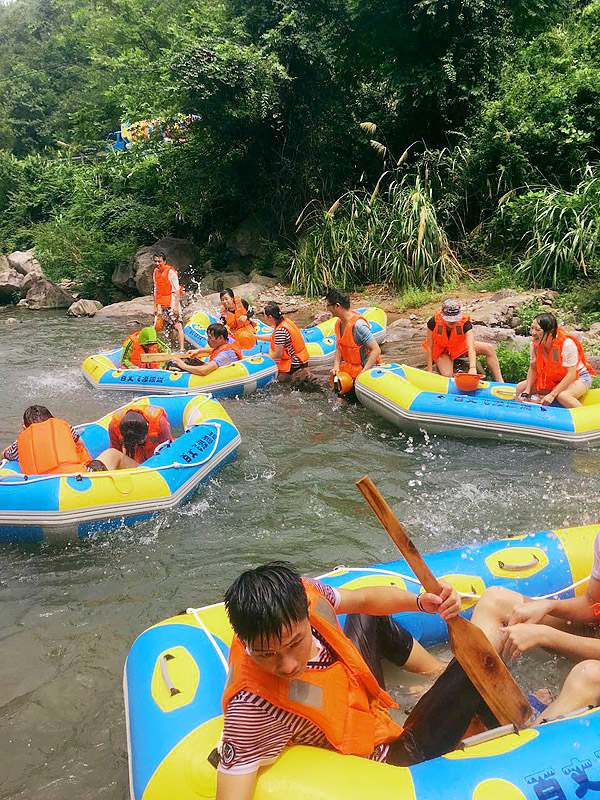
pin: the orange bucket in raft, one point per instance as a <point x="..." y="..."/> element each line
<point x="466" y="382"/>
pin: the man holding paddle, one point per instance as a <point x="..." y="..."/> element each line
<point x="296" y="677"/>
<point x="220" y="351"/>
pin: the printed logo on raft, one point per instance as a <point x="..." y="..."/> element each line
<point x="144" y="378"/>
<point x="199" y="446"/>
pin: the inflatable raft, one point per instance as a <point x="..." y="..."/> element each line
<point x="320" y="339"/>
<point x="66" y="507"/>
<point x="417" y="400"/>
<point x="175" y="673"/>
<point x="103" y="370"/>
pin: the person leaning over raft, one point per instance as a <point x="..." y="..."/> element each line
<point x="558" y="368"/>
<point x="357" y="349"/>
<point x="288" y="347"/>
<point x="135" y="432"/>
<point x="167" y="291"/>
<point x="451" y="345"/>
<point x="48" y="445"/>
<point x="220" y="351"/>
<point x="296" y="677"/>
<point x="237" y="315"/>
<point x="142" y="341"/>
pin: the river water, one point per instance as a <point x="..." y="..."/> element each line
<point x="68" y="615"/>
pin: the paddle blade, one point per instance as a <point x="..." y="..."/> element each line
<point x="489" y="674"/>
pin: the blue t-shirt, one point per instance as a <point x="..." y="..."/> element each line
<point x="225" y="357"/>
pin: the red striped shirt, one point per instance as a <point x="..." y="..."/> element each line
<point x="255" y="731"/>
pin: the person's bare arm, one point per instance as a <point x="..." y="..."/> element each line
<point x="429" y="353"/>
<point x="530" y="380"/>
<point x="576" y="609"/>
<point x="382" y="600"/>
<point x="374" y="353"/>
<point x="277" y="352"/>
<point x="235" y="787"/>
<point x="472" y="352"/>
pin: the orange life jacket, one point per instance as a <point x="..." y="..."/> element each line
<point x="298" y="343"/>
<point x="549" y="366"/>
<point x="47" y="448"/>
<point x="153" y="416"/>
<point x="162" y="286"/>
<point x="137" y="350"/>
<point x="227" y="346"/>
<point x="349" y="350"/>
<point x="454" y="342"/>
<point x="344" y="700"/>
<point x="243" y="332"/>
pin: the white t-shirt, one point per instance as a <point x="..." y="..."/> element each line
<point x="570" y="356"/>
<point x="596" y="564"/>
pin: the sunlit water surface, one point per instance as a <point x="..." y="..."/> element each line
<point x="69" y="615"/>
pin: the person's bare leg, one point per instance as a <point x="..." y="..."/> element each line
<point x="489" y="351"/>
<point x="580" y="689"/>
<point x="569" y="397"/>
<point x="422" y="662"/>
<point x="445" y="365"/>
<point x="493" y="610"/>
<point x="180" y="336"/>
<point x="115" y="459"/>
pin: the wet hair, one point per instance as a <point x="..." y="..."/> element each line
<point x="264" y="601"/>
<point x="226" y="291"/>
<point x="35" y="414"/>
<point x="95" y="465"/>
<point x="218" y="330"/>
<point x="548" y="323"/>
<point x="134" y="430"/>
<point x="273" y="310"/>
<point x="334" y="296"/>
<point x="160" y="254"/>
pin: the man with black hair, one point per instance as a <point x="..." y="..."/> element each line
<point x="220" y="351"/>
<point x="357" y="349"/>
<point x="167" y="302"/>
<point x="296" y="677"/>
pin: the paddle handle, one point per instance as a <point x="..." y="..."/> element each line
<point x="152" y="358"/>
<point x="399" y="536"/>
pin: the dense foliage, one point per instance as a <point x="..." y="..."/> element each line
<point x="493" y="104"/>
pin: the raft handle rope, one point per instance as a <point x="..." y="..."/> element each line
<point x="210" y="637"/>
<point x="164" y="671"/>
<point x="519" y="567"/>
<point x="463" y="595"/>
<point x="117" y="473"/>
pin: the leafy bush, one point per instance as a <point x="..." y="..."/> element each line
<point x="387" y="237"/>
<point x="528" y="313"/>
<point x="513" y="363"/>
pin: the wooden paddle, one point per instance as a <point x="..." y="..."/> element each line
<point x="470" y="645"/>
<point x="159" y="358"/>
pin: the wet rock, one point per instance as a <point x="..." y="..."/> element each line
<point x="11" y="285"/>
<point x="84" y="308"/>
<point x="140" y="307"/>
<point x="137" y="275"/>
<point x="4" y="263"/>
<point x="482" y="333"/>
<point x="265" y="281"/>
<point x="44" y="294"/>
<point x="594" y="329"/>
<point x="25" y="262"/>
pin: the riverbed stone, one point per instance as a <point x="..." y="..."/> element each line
<point x="140" y="307"/>
<point x="11" y="285"/>
<point x="217" y="281"/>
<point x="25" y="262"/>
<point x="45" y="294"/>
<point x="84" y="308"/>
<point x="137" y="275"/>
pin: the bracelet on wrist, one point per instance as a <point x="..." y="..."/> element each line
<point x="420" y="604"/>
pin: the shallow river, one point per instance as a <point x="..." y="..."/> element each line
<point x="69" y="615"/>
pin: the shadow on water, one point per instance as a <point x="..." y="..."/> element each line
<point x="70" y="614"/>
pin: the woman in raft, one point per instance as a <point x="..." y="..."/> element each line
<point x="451" y="345"/>
<point x="558" y="369"/>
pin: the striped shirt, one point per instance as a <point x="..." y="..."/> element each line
<point x="283" y="339"/>
<point x="255" y="731"/>
<point x="12" y="451"/>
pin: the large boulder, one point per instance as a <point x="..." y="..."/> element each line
<point x="137" y="275"/>
<point x="217" y="281"/>
<point x="44" y="294"/>
<point x="248" y="239"/>
<point x="142" y="308"/>
<point x="84" y="308"/>
<point x="24" y="261"/>
<point x="11" y="284"/>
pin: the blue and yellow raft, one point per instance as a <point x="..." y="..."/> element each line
<point x="175" y="673"/>
<point x="103" y="371"/>
<point x="416" y="400"/>
<point x="66" y="507"/>
<point x="320" y="339"/>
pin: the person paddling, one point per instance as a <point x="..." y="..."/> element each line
<point x="450" y="344"/>
<point x="558" y="369"/>
<point x="220" y="351"/>
<point x="142" y="341"/>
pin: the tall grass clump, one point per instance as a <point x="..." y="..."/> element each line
<point x="388" y="236"/>
<point x="553" y="234"/>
